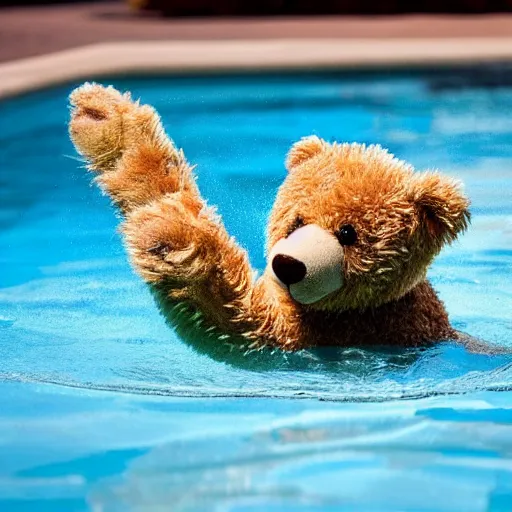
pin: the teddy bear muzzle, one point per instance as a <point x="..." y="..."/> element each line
<point x="308" y="263"/>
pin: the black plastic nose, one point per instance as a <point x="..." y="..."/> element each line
<point x="288" y="270"/>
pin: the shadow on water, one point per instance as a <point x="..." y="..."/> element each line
<point x="354" y="360"/>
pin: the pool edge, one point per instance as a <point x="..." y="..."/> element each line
<point x="180" y="57"/>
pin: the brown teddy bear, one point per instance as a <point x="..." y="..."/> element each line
<point x="350" y="238"/>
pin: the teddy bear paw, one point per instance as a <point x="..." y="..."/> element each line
<point x="97" y="127"/>
<point x="167" y="240"/>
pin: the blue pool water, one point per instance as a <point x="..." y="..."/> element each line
<point x="103" y="408"/>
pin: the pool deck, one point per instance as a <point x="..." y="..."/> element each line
<point x="46" y="45"/>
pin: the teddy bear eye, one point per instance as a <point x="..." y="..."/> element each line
<point x="296" y="224"/>
<point x="346" y="235"/>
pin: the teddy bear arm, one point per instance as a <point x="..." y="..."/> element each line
<point x="145" y="173"/>
<point x="125" y="144"/>
<point x="195" y="269"/>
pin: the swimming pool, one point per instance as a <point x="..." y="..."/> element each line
<point x="102" y="407"/>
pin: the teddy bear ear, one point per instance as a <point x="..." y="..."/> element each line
<point x="303" y="150"/>
<point x="442" y="206"/>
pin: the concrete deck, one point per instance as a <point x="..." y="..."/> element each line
<point x="245" y="55"/>
<point x="37" y="30"/>
<point x="47" y="45"/>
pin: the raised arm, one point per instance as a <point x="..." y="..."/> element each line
<point x="124" y="143"/>
<point x="200" y="277"/>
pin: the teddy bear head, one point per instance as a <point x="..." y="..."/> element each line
<point x="353" y="227"/>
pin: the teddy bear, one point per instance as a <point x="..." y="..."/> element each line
<point x="350" y="237"/>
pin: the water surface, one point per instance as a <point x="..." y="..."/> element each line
<point x="102" y="405"/>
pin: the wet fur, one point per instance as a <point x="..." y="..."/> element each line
<point x="202" y="279"/>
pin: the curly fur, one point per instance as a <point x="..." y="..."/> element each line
<point x="202" y="279"/>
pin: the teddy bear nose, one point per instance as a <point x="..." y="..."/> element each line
<point x="287" y="269"/>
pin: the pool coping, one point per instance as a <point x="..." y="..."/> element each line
<point x="181" y="57"/>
